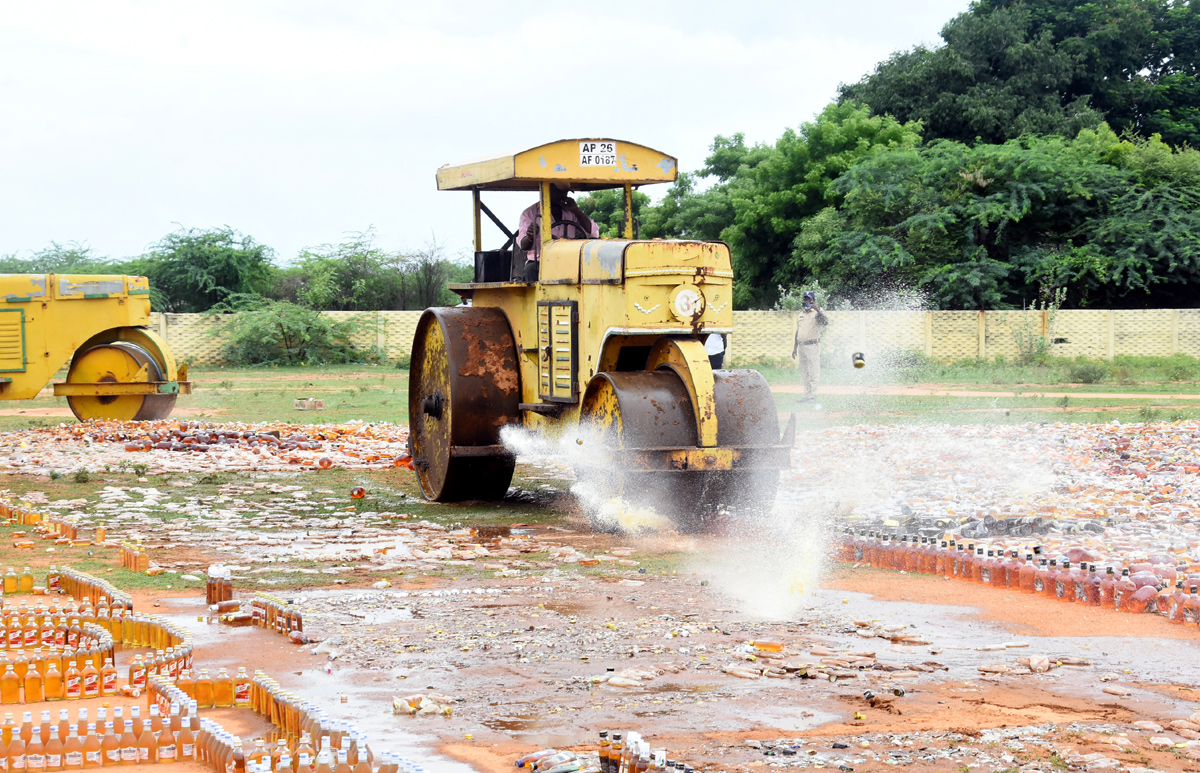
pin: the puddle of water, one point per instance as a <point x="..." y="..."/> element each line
<point x="791" y="720"/>
<point x="526" y="730"/>
<point x="370" y="702"/>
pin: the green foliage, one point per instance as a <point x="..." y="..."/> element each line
<point x="1014" y="67"/>
<point x="269" y="332"/>
<point x="192" y="270"/>
<point x="989" y="225"/>
<point x="81" y="476"/>
<point x="58" y="259"/>
<point x="1084" y="371"/>
<point x="607" y="210"/>
<point x="772" y="189"/>
<point x="357" y="275"/>
<point x="1032" y="344"/>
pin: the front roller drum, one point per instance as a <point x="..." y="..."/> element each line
<point x="118" y="362"/>
<point x="639" y="415"/>
<point x="464" y="387"/>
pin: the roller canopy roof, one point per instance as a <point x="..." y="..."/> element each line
<point x="583" y="164"/>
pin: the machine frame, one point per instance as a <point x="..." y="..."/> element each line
<point x="599" y="308"/>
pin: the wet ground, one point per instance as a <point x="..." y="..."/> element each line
<point x="524" y="632"/>
<point x="518" y="661"/>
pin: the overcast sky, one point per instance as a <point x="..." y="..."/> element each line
<point x="298" y="122"/>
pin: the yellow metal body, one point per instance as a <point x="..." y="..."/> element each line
<point x="610" y="334"/>
<point x="598" y="297"/>
<point x="95" y="322"/>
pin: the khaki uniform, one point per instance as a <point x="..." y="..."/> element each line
<point x="807" y="349"/>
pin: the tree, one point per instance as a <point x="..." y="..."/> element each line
<point x="607" y="209"/>
<point x="357" y="275"/>
<point x="773" y="189"/>
<point x="1113" y="222"/>
<point x="68" y="258"/>
<point x="192" y="270"/>
<point x="1013" y="67"/>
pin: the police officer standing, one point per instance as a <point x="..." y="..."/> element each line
<point x="807" y="350"/>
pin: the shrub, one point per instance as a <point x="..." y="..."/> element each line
<point x="1180" y="372"/>
<point x="266" y="332"/>
<point x="1086" y="372"/>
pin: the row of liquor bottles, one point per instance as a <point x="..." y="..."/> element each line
<point x="309" y="740"/>
<point x="1143" y="587"/>
<point x="28" y="627"/>
<point x="110" y="740"/>
<point x="81" y="586"/>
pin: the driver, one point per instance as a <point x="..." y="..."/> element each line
<point x="563" y="209"/>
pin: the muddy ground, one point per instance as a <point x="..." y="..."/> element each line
<point x="517" y="626"/>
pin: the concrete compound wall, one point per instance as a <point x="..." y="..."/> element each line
<point x="764" y="336"/>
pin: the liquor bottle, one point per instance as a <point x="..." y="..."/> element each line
<point x="1123" y="589"/>
<point x="1064" y="583"/>
<point x="1050" y="591"/>
<point x="1081" y="578"/>
<point x="92" y="755"/>
<point x="342" y="765"/>
<point x="1107" y="584"/>
<point x="241" y="689"/>
<point x="1142" y="600"/>
<point x="1040" y="579"/>
<point x="129" y="745"/>
<point x="110" y="747"/>
<point x="35" y="754"/>
<point x="90" y="677"/>
<point x="204" y="690"/>
<point x="1191" y="608"/>
<point x="54" y="751"/>
<point x="223" y="689"/>
<point x="16" y="754"/>
<point x="64" y="724"/>
<point x="185" y="739"/>
<point x="604" y="747"/>
<point x="167" y="749"/>
<point x="52" y="684"/>
<point x="304" y="755"/>
<point x="10" y="685"/>
<point x="27" y="726"/>
<point x="73" y="750"/>
<point x="72" y="683"/>
<point x="1175" y="605"/>
<point x="108" y="678"/>
<point x="25" y="581"/>
<point x="33" y="685"/>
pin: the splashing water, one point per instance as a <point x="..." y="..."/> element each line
<point x="584" y="450"/>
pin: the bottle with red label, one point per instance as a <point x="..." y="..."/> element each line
<point x="91" y="680"/>
<point x="108" y="678"/>
<point x="72" y="682"/>
<point x="241" y="689"/>
<point x="137" y="673"/>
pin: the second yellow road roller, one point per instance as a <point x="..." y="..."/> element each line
<point x="119" y="368"/>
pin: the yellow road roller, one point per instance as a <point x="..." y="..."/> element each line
<point x="599" y="342"/>
<point x="119" y="369"/>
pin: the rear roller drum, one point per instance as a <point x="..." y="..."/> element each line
<point x="463" y="387"/>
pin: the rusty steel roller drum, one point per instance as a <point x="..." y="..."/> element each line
<point x="635" y="414"/>
<point x="464" y="387"/>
